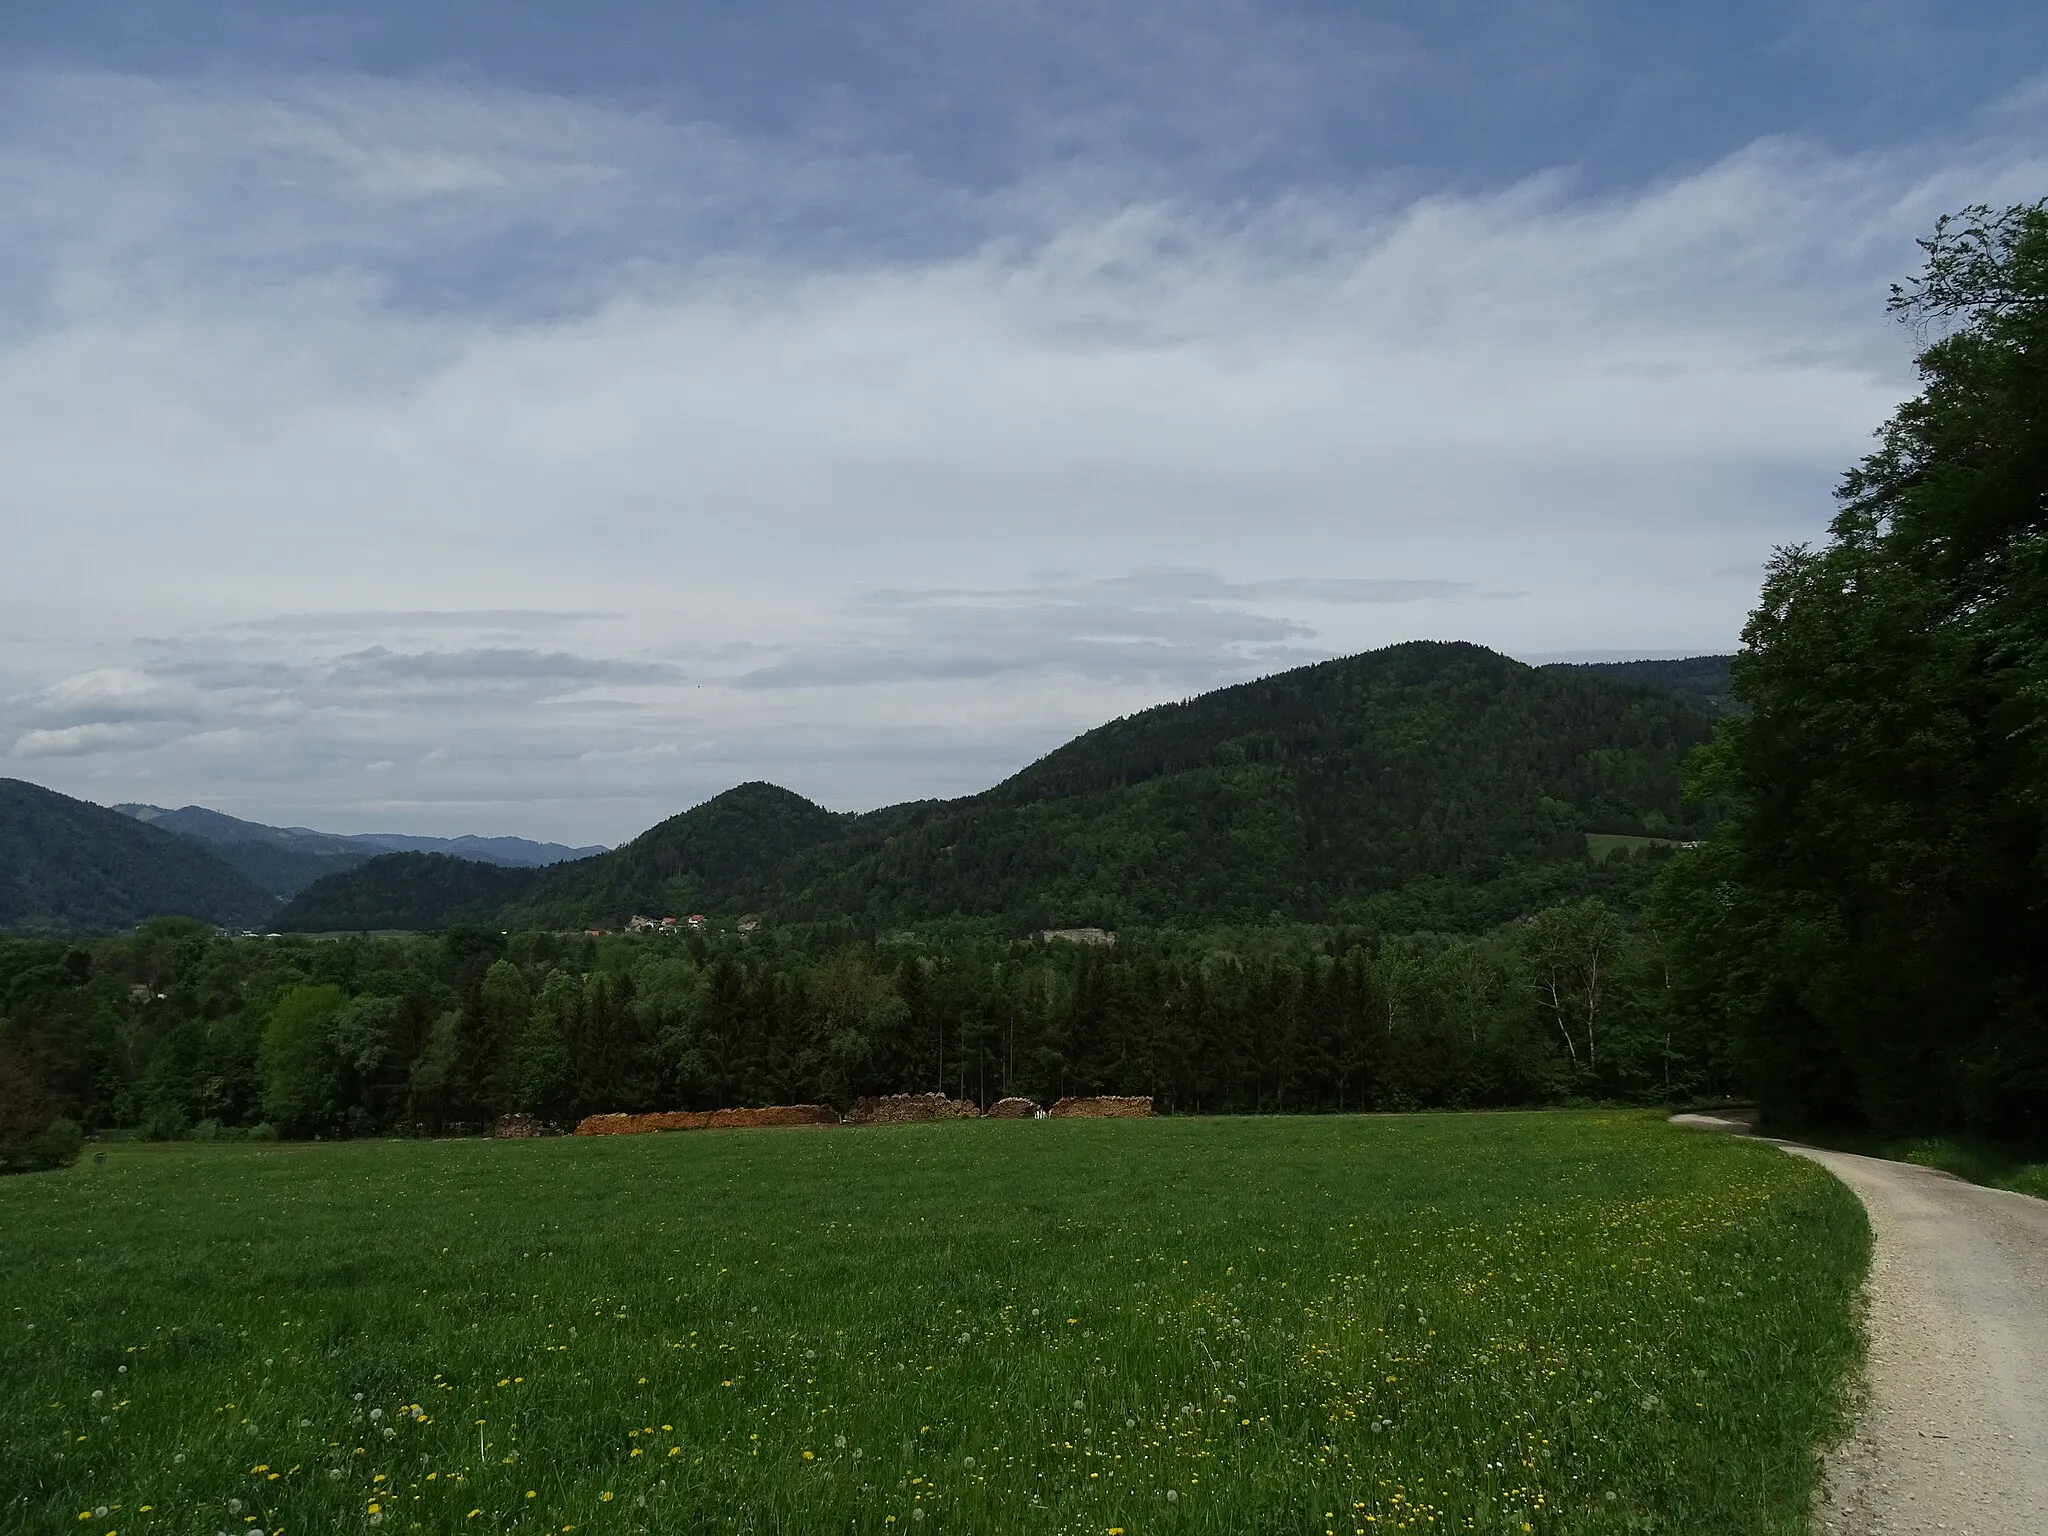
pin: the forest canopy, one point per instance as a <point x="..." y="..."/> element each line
<point x="1870" y="925"/>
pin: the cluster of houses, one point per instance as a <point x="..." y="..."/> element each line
<point x="696" y="922"/>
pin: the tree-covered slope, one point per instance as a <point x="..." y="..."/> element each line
<point x="1309" y="795"/>
<point x="285" y="860"/>
<point x="688" y="862"/>
<point x="1704" y="682"/>
<point x="1322" y="793"/>
<point x="68" y="866"/>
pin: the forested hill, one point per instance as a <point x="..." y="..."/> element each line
<point x="687" y="863"/>
<point x="285" y="860"/>
<point x="68" y="866"/>
<point x="1426" y="785"/>
<point x="1704" y="682"/>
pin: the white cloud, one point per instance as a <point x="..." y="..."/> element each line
<point x="498" y="443"/>
<point x="73" y="740"/>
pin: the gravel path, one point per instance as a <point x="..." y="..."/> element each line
<point x="1954" y="1436"/>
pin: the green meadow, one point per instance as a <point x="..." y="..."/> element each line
<point x="1537" y="1322"/>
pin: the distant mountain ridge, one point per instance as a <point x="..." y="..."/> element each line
<point x="285" y="860"/>
<point x="1437" y="784"/>
<point x="69" y="866"/>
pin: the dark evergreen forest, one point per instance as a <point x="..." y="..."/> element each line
<point x="179" y="1030"/>
<point x="1870" y="925"/>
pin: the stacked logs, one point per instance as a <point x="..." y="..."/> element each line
<point x="707" y="1120"/>
<point x="890" y="1109"/>
<point x="1102" y="1109"/>
<point x="515" y="1127"/>
<point x="904" y="1108"/>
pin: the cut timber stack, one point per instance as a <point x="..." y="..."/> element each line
<point x="1102" y="1109"/>
<point x="903" y="1108"/>
<point x="707" y="1120"/>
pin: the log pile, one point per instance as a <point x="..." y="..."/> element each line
<point x="1012" y="1109"/>
<point x="1102" y="1109"/>
<point x="904" y="1108"/>
<point x="519" y="1126"/>
<point x="707" y="1120"/>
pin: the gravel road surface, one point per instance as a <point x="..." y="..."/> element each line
<point x="1954" y="1435"/>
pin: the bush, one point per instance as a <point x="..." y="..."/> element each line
<point x="264" y="1132"/>
<point x="167" y="1124"/>
<point x="56" y="1146"/>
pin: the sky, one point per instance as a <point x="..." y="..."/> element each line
<point x="450" y="416"/>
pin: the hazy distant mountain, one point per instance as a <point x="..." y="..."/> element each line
<point x="285" y="860"/>
<point x="1426" y="785"/>
<point x="68" y="866"/>
<point x="511" y="852"/>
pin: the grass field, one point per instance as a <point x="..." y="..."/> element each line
<point x="1540" y="1322"/>
<point x="1601" y="846"/>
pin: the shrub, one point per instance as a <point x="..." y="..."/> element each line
<point x="56" y="1146"/>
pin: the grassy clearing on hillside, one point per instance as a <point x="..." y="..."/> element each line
<point x="1538" y="1322"/>
<point x="1601" y="846"/>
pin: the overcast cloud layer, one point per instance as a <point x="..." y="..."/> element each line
<point x="438" y="452"/>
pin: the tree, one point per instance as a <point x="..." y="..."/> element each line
<point x="1871" y="924"/>
<point x="32" y="1134"/>
<point x="503" y="1002"/>
<point x="1570" y="953"/>
<point x="298" y="1088"/>
<point x="539" y="1076"/>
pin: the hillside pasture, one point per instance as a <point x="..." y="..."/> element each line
<point x="1517" y="1322"/>
<point x="1602" y="846"/>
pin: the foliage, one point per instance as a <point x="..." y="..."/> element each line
<point x="1704" y="682"/>
<point x="179" y="1027"/>
<point x="67" y="866"/>
<point x="1571" y="1323"/>
<point x="1425" y="785"/>
<point x="1872" y="924"/>
<point x="406" y="891"/>
<point x="33" y="1136"/>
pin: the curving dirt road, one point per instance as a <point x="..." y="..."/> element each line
<point x="1954" y="1436"/>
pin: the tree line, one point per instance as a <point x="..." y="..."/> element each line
<point x="178" y="1031"/>
<point x="1869" y="925"/>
